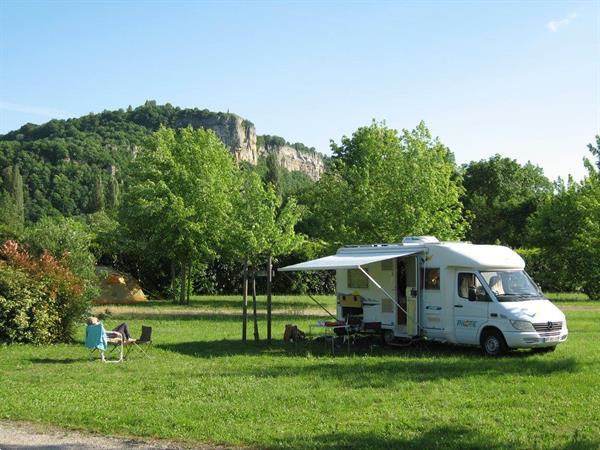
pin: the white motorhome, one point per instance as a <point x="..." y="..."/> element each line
<point x="453" y="292"/>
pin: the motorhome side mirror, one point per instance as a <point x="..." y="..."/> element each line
<point x="472" y="294"/>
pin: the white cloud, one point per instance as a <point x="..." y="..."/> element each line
<point x="35" y="110"/>
<point x="554" y="25"/>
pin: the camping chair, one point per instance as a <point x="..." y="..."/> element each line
<point x="96" y="338"/>
<point x="145" y="339"/>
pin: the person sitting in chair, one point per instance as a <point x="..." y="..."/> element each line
<point x="120" y="331"/>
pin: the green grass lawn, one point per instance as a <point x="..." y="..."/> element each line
<point x="203" y="385"/>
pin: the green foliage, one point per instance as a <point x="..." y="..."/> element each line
<point x="262" y="224"/>
<point x="273" y="174"/>
<point x="500" y="195"/>
<point x="177" y="206"/>
<point x="68" y="237"/>
<point x="271" y="143"/>
<point x="595" y="150"/>
<point x="41" y="300"/>
<point x="26" y="312"/>
<point x="62" y="160"/>
<point x="292" y="183"/>
<point x="567" y="230"/>
<point x="383" y="186"/>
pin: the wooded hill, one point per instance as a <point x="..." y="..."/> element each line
<point x="75" y="166"/>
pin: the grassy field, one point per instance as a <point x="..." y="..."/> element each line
<point x="203" y="386"/>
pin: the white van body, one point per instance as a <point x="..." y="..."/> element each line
<point x="453" y="292"/>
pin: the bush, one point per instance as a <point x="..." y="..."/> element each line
<point x="27" y="314"/>
<point x="41" y="300"/>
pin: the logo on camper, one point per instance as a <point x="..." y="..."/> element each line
<point x="466" y="323"/>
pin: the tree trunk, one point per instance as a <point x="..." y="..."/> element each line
<point x="189" y="283"/>
<point x="182" y="284"/>
<point x="245" y="304"/>
<point x="173" y="282"/>
<point x="256" y="337"/>
<point x="269" y="281"/>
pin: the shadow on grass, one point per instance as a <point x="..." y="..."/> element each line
<point x="201" y="315"/>
<point x="424" y="362"/>
<point x="56" y="360"/>
<point x="446" y="437"/>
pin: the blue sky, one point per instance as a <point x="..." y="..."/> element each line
<point x="517" y="78"/>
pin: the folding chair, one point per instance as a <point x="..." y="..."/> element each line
<point x="145" y="339"/>
<point x="96" y="338"/>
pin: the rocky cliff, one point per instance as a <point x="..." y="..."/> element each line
<point x="239" y="135"/>
<point x="293" y="159"/>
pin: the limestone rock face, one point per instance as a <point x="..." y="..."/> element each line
<point x="238" y="135"/>
<point x="292" y="159"/>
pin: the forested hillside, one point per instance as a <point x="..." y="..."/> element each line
<point x="76" y="166"/>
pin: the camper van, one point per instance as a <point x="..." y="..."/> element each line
<point x="454" y="292"/>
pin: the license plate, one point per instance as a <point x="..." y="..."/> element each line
<point x="551" y="339"/>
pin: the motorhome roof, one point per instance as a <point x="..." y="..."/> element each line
<point x="444" y="254"/>
<point x="439" y="254"/>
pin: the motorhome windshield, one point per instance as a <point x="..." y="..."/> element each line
<point x="512" y="285"/>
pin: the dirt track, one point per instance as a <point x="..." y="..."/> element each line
<point x="20" y="435"/>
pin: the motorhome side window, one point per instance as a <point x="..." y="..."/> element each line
<point x="431" y="277"/>
<point x="469" y="280"/>
<point x="357" y="279"/>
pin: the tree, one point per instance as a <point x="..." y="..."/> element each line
<point x="566" y="228"/>
<point x="263" y="228"/>
<point x="17" y="191"/>
<point x="12" y="205"/>
<point x="500" y="195"/>
<point x="273" y="174"/>
<point x="596" y="150"/>
<point x="98" y="199"/>
<point x="382" y="186"/>
<point x="179" y="199"/>
<point x="113" y="193"/>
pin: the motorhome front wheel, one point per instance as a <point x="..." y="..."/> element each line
<point x="493" y="343"/>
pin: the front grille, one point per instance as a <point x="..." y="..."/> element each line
<point x="548" y="328"/>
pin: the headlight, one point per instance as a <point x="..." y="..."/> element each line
<point x="522" y="325"/>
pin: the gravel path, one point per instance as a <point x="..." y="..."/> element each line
<point x="21" y="435"/>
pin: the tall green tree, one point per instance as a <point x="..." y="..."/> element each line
<point x="98" y="199"/>
<point x="179" y="200"/>
<point x="595" y="150"/>
<point x="566" y="228"/>
<point x="17" y="191"/>
<point x="263" y="228"/>
<point x="383" y="185"/>
<point x="273" y="174"/>
<point x="114" y="193"/>
<point x="500" y="195"/>
<point x="12" y="204"/>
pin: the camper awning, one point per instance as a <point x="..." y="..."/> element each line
<point x="341" y="261"/>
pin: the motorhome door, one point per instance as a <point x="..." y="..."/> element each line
<point x="471" y="304"/>
<point x="406" y="294"/>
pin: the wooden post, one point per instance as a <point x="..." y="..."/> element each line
<point x="245" y="303"/>
<point x="269" y="280"/>
<point x="256" y="337"/>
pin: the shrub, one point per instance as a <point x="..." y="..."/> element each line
<point x="27" y="313"/>
<point x="40" y="298"/>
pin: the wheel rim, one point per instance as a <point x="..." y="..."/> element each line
<point x="492" y="344"/>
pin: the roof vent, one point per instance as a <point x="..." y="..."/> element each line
<point x="420" y="240"/>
